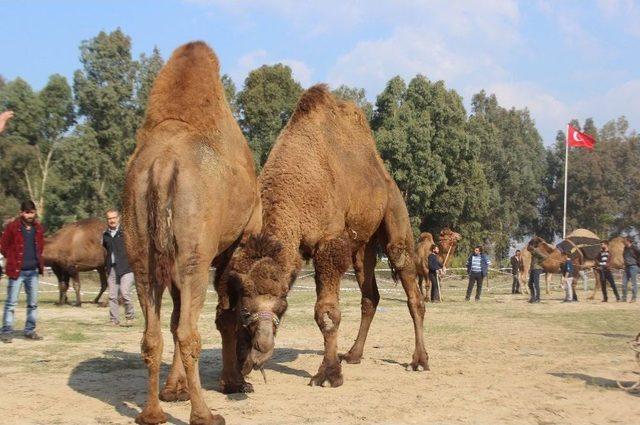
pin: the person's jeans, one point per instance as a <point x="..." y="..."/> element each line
<point x="534" y="284"/>
<point x="568" y="289"/>
<point x="125" y="284"/>
<point x="607" y="276"/>
<point x="30" y="280"/>
<point x="515" y="287"/>
<point x="435" y="288"/>
<point x="630" y="274"/>
<point x="475" y="278"/>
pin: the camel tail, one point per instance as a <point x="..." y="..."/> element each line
<point x="163" y="178"/>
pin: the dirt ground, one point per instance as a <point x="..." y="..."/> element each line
<point x="497" y="361"/>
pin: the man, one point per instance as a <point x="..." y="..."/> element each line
<point x="534" y="276"/>
<point x="516" y="268"/>
<point x="120" y="276"/>
<point x="4" y="117"/>
<point x="477" y="269"/>
<point x="631" y="256"/>
<point x="435" y="268"/>
<point x="567" y="275"/>
<point x="22" y="245"/>
<point x="603" y="262"/>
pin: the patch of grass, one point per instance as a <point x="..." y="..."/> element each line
<point x="72" y="336"/>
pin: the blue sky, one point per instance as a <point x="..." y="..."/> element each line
<point x="561" y="59"/>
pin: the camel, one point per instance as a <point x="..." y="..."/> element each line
<point x="553" y="260"/>
<point x="448" y="242"/>
<point x="616" y="247"/>
<point x="190" y="196"/>
<point x="326" y="196"/>
<point x="76" y="247"/>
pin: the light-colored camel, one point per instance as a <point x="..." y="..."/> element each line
<point x="448" y="242"/>
<point x="616" y="247"/>
<point x="326" y="196"/>
<point x="76" y="247"/>
<point x="190" y="195"/>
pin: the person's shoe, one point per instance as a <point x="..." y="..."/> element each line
<point x="605" y="301"/>
<point x="467" y="299"/>
<point x="531" y="301"/>
<point x="567" y="301"/>
<point x="6" y="337"/>
<point x="477" y="299"/>
<point x="127" y="323"/>
<point x="33" y="336"/>
<point x="518" y="292"/>
<point x="113" y="323"/>
<point x="632" y="300"/>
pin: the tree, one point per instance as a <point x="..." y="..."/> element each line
<point x="40" y="123"/>
<point x="148" y="69"/>
<point x="266" y="103"/>
<point x="421" y="134"/>
<point x="357" y="96"/>
<point x="513" y="158"/>
<point x="105" y="93"/>
<point x="230" y="94"/>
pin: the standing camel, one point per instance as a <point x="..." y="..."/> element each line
<point x="76" y="247"/>
<point x="326" y="196"/>
<point x="448" y="242"/>
<point x="190" y="195"/>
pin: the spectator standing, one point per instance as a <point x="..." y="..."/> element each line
<point x="477" y="269"/>
<point x="631" y="256"/>
<point x="603" y="262"/>
<point x="517" y="267"/>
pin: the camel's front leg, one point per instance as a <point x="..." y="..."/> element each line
<point x="331" y="260"/>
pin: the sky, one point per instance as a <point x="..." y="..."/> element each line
<point x="561" y="59"/>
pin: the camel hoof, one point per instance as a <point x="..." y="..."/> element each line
<point x="350" y="358"/>
<point x="170" y="395"/>
<point x="210" y="420"/>
<point x="242" y="387"/>
<point x="327" y="375"/>
<point x="418" y="366"/>
<point x="151" y="417"/>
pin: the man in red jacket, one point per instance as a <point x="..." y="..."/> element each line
<point x="22" y="244"/>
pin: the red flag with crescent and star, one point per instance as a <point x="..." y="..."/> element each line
<point x="576" y="139"/>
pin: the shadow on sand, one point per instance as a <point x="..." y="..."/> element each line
<point x="596" y="381"/>
<point x="119" y="378"/>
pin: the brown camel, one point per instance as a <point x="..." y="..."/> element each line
<point x="326" y="196"/>
<point x="76" y="247"/>
<point x="190" y="194"/>
<point x="448" y="242"/>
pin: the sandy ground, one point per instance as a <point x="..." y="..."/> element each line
<point x="499" y="361"/>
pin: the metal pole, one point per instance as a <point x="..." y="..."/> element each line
<point x="566" y="168"/>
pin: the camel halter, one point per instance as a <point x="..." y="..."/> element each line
<point x="267" y="316"/>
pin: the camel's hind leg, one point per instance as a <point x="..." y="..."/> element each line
<point x="63" y="287"/>
<point x="547" y="283"/>
<point x="193" y="288"/>
<point x="75" y="277"/>
<point x="331" y="261"/>
<point x="596" y="286"/>
<point x="102" y="274"/>
<point x="175" y="389"/>
<point x="364" y="265"/>
<point x="396" y="233"/>
<point x="150" y="297"/>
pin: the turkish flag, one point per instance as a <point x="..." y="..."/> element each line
<point x="576" y="139"/>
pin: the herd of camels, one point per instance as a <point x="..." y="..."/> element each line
<point x="192" y="199"/>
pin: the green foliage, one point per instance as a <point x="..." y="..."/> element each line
<point x="230" y="94"/>
<point x="147" y="71"/>
<point x="265" y="104"/>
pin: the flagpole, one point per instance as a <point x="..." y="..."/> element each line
<point x="566" y="168"/>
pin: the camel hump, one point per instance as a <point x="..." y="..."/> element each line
<point x="315" y="97"/>
<point x="188" y="88"/>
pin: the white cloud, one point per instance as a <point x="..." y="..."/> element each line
<point x="620" y="100"/>
<point x="624" y="13"/>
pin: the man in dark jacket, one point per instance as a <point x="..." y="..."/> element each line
<point x="477" y="269"/>
<point x="22" y="244"/>
<point x="435" y="268"/>
<point x="603" y="262"/>
<point x="120" y="276"/>
<point x="631" y="257"/>
<point x="534" y="275"/>
<point x="517" y="266"/>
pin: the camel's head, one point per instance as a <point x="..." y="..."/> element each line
<point x="449" y="237"/>
<point x="259" y="284"/>
<point x="534" y="243"/>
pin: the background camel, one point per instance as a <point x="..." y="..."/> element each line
<point x="76" y="247"/>
<point x="553" y="259"/>
<point x="326" y="196"/>
<point x="190" y="193"/>
<point x="448" y="242"/>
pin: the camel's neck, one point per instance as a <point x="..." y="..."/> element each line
<point x="285" y="230"/>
